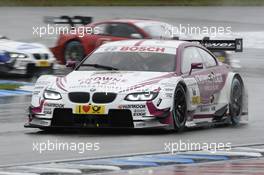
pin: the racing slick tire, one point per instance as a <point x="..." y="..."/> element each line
<point x="74" y="51"/>
<point x="179" y="111"/>
<point x="236" y="101"/>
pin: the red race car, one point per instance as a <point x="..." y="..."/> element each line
<point x="76" y="45"/>
<point x="77" y="42"/>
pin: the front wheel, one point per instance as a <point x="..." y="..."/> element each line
<point x="236" y="101"/>
<point x="179" y="108"/>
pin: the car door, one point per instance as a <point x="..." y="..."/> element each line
<point x="201" y="76"/>
<point x="217" y="73"/>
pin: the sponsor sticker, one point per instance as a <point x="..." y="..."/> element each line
<point x="150" y="49"/>
<point x="47" y="111"/>
<point x="196" y="100"/>
<point x="133" y="106"/>
<point x="136" y="109"/>
<point x="207" y="108"/>
<point x="168" y="95"/>
<point x="54" y="105"/>
<point x="89" y="109"/>
<point x="48" y="107"/>
<point x="43" y="63"/>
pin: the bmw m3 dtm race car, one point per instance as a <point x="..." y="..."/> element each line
<point x="24" y="58"/>
<point x="141" y="84"/>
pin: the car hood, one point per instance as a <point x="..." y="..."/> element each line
<point x="111" y="81"/>
<point x="21" y="47"/>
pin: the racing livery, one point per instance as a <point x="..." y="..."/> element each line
<point x="24" y="58"/>
<point x="141" y="84"/>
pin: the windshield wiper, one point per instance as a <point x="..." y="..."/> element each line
<point x="100" y="66"/>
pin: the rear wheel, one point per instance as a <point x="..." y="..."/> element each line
<point x="236" y="101"/>
<point x="74" y="51"/>
<point x="179" y="108"/>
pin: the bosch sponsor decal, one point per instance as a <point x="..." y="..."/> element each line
<point x="142" y="49"/>
<point x="153" y="49"/>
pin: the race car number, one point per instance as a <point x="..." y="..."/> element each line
<point x="89" y="109"/>
<point x="43" y="64"/>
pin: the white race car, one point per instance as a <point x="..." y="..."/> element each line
<point x="141" y="84"/>
<point x="24" y="58"/>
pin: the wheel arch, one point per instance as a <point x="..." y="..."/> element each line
<point x="190" y="107"/>
<point x="71" y="40"/>
<point x="182" y="83"/>
<point x="224" y="96"/>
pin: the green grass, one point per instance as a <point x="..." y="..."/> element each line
<point x="9" y="86"/>
<point x="131" y="2"/>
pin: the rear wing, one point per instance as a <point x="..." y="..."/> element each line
<point x="221" y="45"/>
<point x="72" y="21"/>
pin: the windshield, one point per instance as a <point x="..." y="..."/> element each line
<point x="130" y="61"/>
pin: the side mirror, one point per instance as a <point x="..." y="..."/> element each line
<point x="196" y="66"/>
<point x="136" y="36"/>
<point x="71" y="64"/>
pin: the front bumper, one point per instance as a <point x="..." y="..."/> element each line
<point x="30" y="70"/>
<point x="116" y="118"/>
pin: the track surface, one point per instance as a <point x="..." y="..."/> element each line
<point x="16" y="141"/>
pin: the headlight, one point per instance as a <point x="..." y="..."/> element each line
<point x="51" y="95"/>
<point x="17" y="55"/>
<point x="143" y="96"/>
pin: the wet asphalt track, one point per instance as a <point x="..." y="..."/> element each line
<point x="16" y="141"/>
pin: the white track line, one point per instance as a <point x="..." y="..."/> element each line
<point x="225" y="153"/>
<point x="81" y="166"/>
<point x="259" y="150"/>
<point x="57" y="170"/>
